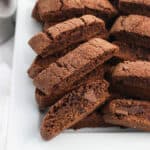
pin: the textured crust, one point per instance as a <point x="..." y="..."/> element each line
<point x="64" y="34"/>
<point x="131" y="53"/>
<point x="60" y="10"/>
<point x="40" y="63"/>
<point x="73" y="107"/>
<point x="132" y="79"/>
<point x="140" y="7"/>
<point x="62" y="74"/>
<point x="48" y="24"/>
<point x="45" y="101"/>
<point x="131" y="29"/>
<point x="100" y="8"/>
<point x="128" y="113"/>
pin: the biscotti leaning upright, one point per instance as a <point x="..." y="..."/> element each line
<point x="45" y="101"/>
<point x="40" y="63"/>
<point x="128" y="113"/>
<point x="60" y="10"/>
<point x="140" y="7"/>
<point x="132" y="79"/>
<point x="68" y="33"/>
<point x="61" y="75"/>
<point x="73" y="107"/>
<point x="132" y="29"/>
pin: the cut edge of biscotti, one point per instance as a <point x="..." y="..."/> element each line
<point x="73" y="107"/>
<point x="128" y="113"/>
<point x="138" y="7"/>
<point x="128" y="52"/>
<point x="132" y="78"/>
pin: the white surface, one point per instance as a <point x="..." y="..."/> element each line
<point x="6" y="51"/>
<point x="24" y="118"/>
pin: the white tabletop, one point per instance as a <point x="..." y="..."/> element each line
<point x="6" y="53"/>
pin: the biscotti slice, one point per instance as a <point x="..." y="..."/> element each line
<point x="131" y="53"/>
<point x="40" y="63"/>
<point x="132" y="29"/>
<point x="128" y="113"/>
<point x="93" y="120"/>
<point x="60" y="10"/>
<point x="61" y="75"/>
<point x="74" y="107"/>
<point x="141" y="7"/>
<point x="62" y="35"/>
<point x="44" y="101"/>
<point x="132" y="79"/>
<point x="100" y="8"/>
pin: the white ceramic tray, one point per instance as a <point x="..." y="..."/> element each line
<point x="24" y="117"/>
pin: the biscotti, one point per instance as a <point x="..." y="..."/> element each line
<point x="141" y="7"/>
<point x="100" y="8"/>
<point x="128" y="113"/>
<point x="60" y="10"/>
<point x="93" y="120"/>
<point x="67" y="33"/>
<point x="40" y="63"/>
<point x="131" y="53"/>
<point x="45" y="101"/>
<point x="132" y="79"/>
<point x="61" y="75"/>
<point x="114" y="3"/>
<point x="132" y="29"/>
<point x="46" y="25"/>
<point x="74" y="107"/>
<point x="35" y="13"/>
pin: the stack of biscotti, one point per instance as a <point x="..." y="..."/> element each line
<point x="92" y="67"/>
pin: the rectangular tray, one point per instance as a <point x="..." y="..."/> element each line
<point x="24" y="117"/>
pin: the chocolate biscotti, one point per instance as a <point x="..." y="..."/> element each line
<point x="132" y="79"/>
<point x="93" y="120"/>
<point x="131" y="53"/>
<point x="45" y="101"/>
<point x="100" y="8"/>
<point x="128" y="113"/>
<point x="35" y="13"/>
<point x="132" y="29"/>
<point x="46" y="25"/>
<point x="40" y="63"/>
<point x="61" y="75"/>
<point x="60" y="10"/>
<point x="74" y="107"/>
<point x="67" y="33"/>
<point x="141" y="7"/>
